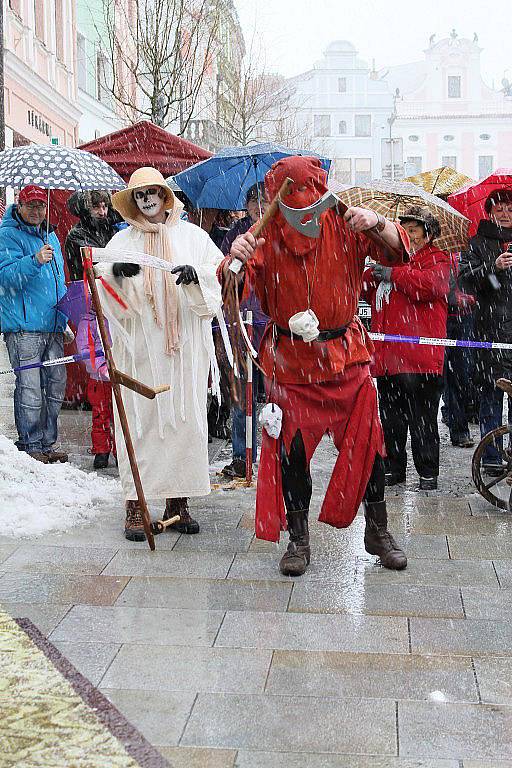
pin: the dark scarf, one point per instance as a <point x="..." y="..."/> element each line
<point x="493" y="231"/>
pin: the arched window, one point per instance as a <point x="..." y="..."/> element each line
<point x="342" y="128"/>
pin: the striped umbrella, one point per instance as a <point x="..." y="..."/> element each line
<point x="393" y="198"/>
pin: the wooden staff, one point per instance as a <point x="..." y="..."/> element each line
<point x="116" y="378"/>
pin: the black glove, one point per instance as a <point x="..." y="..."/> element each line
<point x="187" y="275"/>
<point x="125" y="270"/>
<point x="381" y="273"/>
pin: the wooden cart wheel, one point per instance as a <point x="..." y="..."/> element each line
<point x="496" y="490"/>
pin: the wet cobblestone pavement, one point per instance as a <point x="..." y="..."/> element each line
<point x="219" y="661"/>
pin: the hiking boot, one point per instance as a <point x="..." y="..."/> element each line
<point x="235" y="469"/>
<point x="101" y="460"/>
<point x="55" y="456"/>
<point x="463" y="442"/>
<point x="298" y="554"/>
<point x="428" y="483"/>
<point x="378" y="540"/>
<point x="134" y="526"/>
<point x="185" y="524"/>
<point x="40" y="456"/>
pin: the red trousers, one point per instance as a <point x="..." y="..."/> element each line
<point x="99" y="394"/>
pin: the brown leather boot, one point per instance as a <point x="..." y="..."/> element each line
<point x="296" y="558"/>
<point x="378" y="540"/>
<point x="133" y="526"/>
<point x="55" y="456"/>
<point x="179" y="507"/>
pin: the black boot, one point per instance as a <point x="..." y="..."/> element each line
<point x="377" y="539"/>
<point x="101" y="460"/>
<point x="179" y="507"/>
<point x="296" y="558"/>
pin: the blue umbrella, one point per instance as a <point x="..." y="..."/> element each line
<point x="223" y="180"/>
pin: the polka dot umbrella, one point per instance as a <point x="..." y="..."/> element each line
<point x="56" y="167"/>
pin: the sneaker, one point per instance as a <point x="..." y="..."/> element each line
<point x="133" y="526"/>
<point x="428" y="483"/>
<point x="55" y="456"/>
<point x="235" y="469"/>
<point x="101" y="460"/>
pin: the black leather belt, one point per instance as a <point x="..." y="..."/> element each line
<point x="332" y="333"/>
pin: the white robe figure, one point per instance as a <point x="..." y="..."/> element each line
<point x="169" y="433"/>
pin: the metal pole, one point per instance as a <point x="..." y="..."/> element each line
<point x="248" y="406"/>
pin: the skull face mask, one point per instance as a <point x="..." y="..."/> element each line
<point x="149" y="200"/>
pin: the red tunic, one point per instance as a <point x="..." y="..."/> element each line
<point x="280" y="282"/>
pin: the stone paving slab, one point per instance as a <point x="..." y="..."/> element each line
<point x="90" y="659"/>
<point x="44" y="617"/>
<point x="494" y="677"/>
<point x="486" y="603"/>
<point x="221" y="540"/>
<point x="461" y="637"/>
<point x="160" y="717"/>
<point x="60" y="588"/>
<point x="503" y="570"/>
<point x="480" y="547"/>
<point x="227" y="670"/>
<point x="192" y="757"/>
<point x="418" y="523"/>
<point x="199" y="565"/>
<point x="448" y="573"/>
<point x="40" y="558"/>
<point x="292" y="723"/>
<point x="366" y="675"/>
<point x="124" y="624"/>
<point x="318" y="632"/>
<point x="487" y="764"/>
<point x="249" y="759"/>
<point x="206" y="594"/>
<point x="263" y="565"/>
<point x="7" y="547"/>
<point x="379" y="599"/>
<point x="108" y="533"/>
<point x="454" y="731"/>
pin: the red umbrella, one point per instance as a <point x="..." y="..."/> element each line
<point x="470" y="200"/>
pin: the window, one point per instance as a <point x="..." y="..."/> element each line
<point x="414" y="138"/>
<point x="485" y="136"/>
<point x="81" y="61"/>
<point x="454" y="87"/>
<point x="39" y="18"/>
<point x="59" y="30"/>
<point x="363" y="125"/>
<point x="448" y="137"/>
<point x="363" y="170"/>
<point x="322" y="125"/>
<point x="449" y="161"/>
<point x="103" y="79"/>
<point x="343" y="170"/>
<point x="485" y="165"/>
<point x="342" y="127"/>
<point x="414" y="165"/>
<point x="342" y="84"/>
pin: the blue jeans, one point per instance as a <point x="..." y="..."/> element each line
<point x="238" y="416"/>
<point x="39" y="392"/>
<point x="458" y="373"/>
<point x="491" y="417"/>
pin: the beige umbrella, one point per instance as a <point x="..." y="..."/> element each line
<point x="441" y="181"/>
<point x="392" y="199"/>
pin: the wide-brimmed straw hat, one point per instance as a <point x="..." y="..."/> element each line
<point x="123" y="201"/>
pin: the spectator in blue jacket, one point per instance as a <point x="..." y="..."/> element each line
<point x="31" y="284"/>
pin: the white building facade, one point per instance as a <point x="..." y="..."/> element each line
<point x="403" y="120"/>
<point x="343" y="113"/>
<point x="447" y="115"/>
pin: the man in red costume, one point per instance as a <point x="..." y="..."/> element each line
<point x="323" y="385"/>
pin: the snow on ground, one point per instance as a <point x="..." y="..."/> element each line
<point x="38" y="498"/>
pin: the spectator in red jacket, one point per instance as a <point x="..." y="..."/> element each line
<point x="411" y="300"/>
